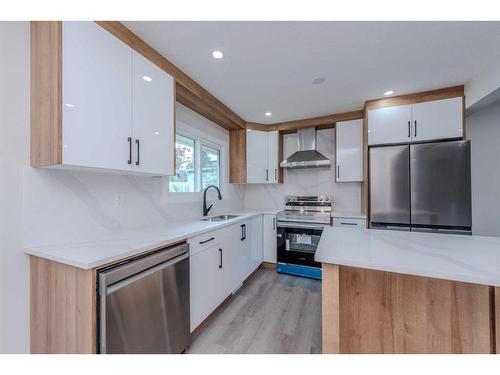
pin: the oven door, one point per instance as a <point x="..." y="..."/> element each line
<point x="297" y="243"/>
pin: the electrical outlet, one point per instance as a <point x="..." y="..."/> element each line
<point x="118" y="200"/>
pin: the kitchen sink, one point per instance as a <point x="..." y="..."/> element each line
<point x="220" y="218"/>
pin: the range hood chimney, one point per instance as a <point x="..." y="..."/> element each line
<point x="306" y="155"/>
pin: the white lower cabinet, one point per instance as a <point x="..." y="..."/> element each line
<point x="269" y="243"/>
<point x="204" y="269"/>
<point x="255" y="238"/>
<point x="220" y="265"/>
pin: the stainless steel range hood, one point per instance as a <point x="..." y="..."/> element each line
<point x="306" y="156"/>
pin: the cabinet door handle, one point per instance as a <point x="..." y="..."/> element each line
<point x="129" y="161"/>
<point x="267" y="174"/>
<point x="275" y="174"/>
<point x="220" y="264"/>
<point x="415" y="134"/>
<point x="138" y="152"/>
<point x="242" y="232"/>
<point x="274" y="223"/>
<point x="409" y="126"/>
<point x="210" y="239"/>
<point x="338" y="172"/>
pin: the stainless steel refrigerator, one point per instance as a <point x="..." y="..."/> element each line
<point x="421" y="187"/>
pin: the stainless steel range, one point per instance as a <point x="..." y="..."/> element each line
<point x="300" y="227"/>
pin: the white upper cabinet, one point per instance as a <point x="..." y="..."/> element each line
<point x="152" y="117"/>
<point x="117" y="106"/>
<point x="96" y="97"/>
<point x="349" y="150"/>
<point x="427" y="121"/>
<point x="389" y="125"/>
<point x="262" y="157"/>
<point x="272" y="155"/>
<point x="440" y="119"/>
<point x="257" y="168"/>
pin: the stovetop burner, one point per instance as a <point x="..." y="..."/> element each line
<point x="310" y="209"/>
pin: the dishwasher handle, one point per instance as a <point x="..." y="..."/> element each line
<point x="129" y="280"/>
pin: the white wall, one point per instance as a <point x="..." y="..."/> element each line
<point x="314" y="181"/>
<point x="14" y="156"/>
<point x="483" y="129"/>
<point x="42" y="206"/>
<point x="482" y="85"/>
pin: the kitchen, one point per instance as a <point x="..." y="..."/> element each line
<point x="266" y="233"/>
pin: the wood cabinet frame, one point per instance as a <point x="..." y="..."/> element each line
<point x="369" y="311"/>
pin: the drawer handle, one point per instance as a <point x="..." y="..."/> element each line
<point x="220" y="264"/>
<point x="210" y="239"/>
<point x="344" y="223"/>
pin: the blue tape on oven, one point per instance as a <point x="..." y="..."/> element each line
<point x="297" y="270"/>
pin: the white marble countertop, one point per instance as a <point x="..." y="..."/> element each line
<point x="349" y="215"/>
<point x="95" y="253"/>
<point x="473" y="259"/>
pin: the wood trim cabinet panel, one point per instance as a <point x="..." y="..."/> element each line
<point x="91" y="106"/>
<point x="368" y="311"/>
<point x="62" y="308"/>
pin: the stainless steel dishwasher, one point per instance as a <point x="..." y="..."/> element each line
<point x="144" y="304"/>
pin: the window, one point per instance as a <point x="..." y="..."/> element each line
<point x="210" y="166"/>
<point x="198" y="165"/>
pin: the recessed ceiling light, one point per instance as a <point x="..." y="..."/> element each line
<point x="147" y="78"/>
<point x="157" y="133"/>
<point x="217" y="54"/>
<point x="389" y="92"/>
<point x="268" y="114"/>
<point x="319" y="80"/>
<point x="69" y="105"/>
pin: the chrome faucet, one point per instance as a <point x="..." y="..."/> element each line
<point x="205" y="209"/>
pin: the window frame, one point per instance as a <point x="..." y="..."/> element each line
<point x="199" y="141"/>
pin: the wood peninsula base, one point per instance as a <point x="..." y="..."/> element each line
<point x="368" y="311"/>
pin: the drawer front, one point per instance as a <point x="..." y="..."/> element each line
<point x="206" y="240"/>
<point x="349" y="223"/>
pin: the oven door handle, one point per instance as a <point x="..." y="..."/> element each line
<point x="282" y="224"/>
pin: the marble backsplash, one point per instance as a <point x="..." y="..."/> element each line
<point x="64" y="206"/>
<point x="314" y="181"/>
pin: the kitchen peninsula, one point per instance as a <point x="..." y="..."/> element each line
<point x="408" y="292"/>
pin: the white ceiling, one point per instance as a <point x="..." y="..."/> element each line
<point x="270" y="66"/>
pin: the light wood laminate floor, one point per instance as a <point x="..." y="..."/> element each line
<point x="271" y="313"/>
